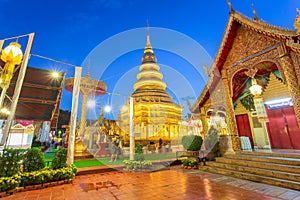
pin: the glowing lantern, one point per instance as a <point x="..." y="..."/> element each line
<point x="11" y="55"/>
<point x="256" y="90"/>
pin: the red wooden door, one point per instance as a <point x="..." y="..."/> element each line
<point x="243" y="126"/>
<point x="283" y="128"/>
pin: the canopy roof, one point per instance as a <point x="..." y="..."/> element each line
<point x="40" y="95"/>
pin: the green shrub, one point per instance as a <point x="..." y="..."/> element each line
<point x="47" y="175"/>
<point x="189" y="163"/>
<point x="60" y="158"/>
<point x="138" y="153"/>
<point x="192" y="142"/>
<point x="137" y="164"/>
<point x="33" y="160"/>
<point x="10" y="162"/>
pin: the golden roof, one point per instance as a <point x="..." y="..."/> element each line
<point x="257" y="25"/>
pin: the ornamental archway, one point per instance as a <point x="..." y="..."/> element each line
<point x="281" y="130"/>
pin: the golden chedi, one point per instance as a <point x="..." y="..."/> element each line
<point x="155" y="114"/>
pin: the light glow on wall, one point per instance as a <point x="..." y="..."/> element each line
<point x="279" y="103"/>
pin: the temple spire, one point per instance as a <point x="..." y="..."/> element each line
<point x="148" y="56"/>
<point x="89" y="68"/>
<point x="148" y="44"/>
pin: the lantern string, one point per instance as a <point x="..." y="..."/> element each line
<point x="16" y="37"/>
<point x="51" y="59"/>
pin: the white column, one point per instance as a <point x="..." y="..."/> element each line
<point x="131" y="128"/>
<point x="18" y="88"/>
<point x="76" y="89"/>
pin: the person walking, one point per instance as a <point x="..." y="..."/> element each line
<point x="115" y="148"/>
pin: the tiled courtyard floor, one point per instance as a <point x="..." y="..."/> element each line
<point x="175" y="183"/>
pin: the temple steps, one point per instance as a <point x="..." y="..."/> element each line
<point x="269" y="168"/>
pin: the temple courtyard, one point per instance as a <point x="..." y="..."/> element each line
<point x="174" y="183"/>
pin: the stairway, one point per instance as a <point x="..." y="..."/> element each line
<point x="277" y="169"/>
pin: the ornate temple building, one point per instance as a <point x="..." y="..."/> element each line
<point x="254" y="84"/>
<point x="155" y="114"/>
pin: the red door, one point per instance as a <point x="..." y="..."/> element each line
<point x="283" y="129"/>
<point x="243" y="126"/>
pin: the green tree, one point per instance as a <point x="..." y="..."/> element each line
<point x="60" y="158"/>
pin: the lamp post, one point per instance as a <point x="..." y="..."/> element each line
<point x="131" y="129"/>
<point x="18" y="86"/>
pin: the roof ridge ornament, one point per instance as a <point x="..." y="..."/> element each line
<point x="254" y="13"/>
<point x="297" y="22"/>
<point x="230" y="6"/>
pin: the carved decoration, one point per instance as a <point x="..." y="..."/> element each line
<point x="296" y="61"/>
<point x="230" y="112"/>
<point x="251" y="72"/>
<point x="247" y="43"/>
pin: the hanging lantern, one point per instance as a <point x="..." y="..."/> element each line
<point x="11" y="55"/>
<point x="255" y="89"/>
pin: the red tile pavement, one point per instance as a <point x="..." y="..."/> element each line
<point x="118" y="185"/>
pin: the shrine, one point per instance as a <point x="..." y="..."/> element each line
<point x="254" y="82"/>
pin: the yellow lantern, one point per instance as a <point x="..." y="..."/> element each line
<point x="11" y="55"/>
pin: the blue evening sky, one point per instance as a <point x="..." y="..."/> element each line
<point x="75" y="31"/>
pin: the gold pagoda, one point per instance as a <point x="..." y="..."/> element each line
<point x="155" y="114"/>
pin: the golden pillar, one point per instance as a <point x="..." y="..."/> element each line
<point x="83" y="113"/>
<point x="290" y="78"/>
<point x="203" y="120"/>
<point x="230" y="113"/>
